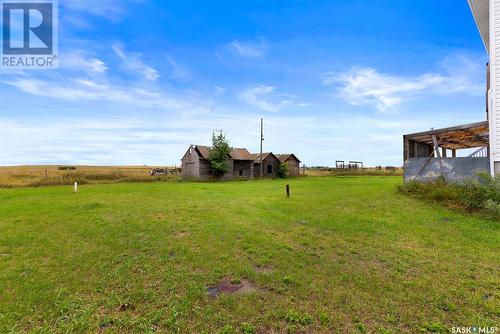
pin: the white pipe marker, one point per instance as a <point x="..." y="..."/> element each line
<point x="76" y="187"/>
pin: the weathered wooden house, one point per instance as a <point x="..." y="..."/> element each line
<point x="292" y="161"/>
<point x="242" y="164"/>
<point x="270" y="165"/>
<point x="195" y="164"/>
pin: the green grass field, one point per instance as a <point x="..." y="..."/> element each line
<point x="342" y="255"/>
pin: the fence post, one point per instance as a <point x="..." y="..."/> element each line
<point x="287" y="190"/>
<point x="75" y="189"/>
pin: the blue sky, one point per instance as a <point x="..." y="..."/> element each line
<point x="334" y="80"/>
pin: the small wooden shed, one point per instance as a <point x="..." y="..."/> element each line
<point x="292" y="161"/>
<point x="270" y="165"/>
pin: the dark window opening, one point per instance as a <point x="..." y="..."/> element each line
<point x="269" y="169"/>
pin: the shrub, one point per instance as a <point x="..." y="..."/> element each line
<point x="493" y="207"/>
<point x="283" y="170"/>
<point x="294" y="317"/>
<point x="66" y="168"/>
<point x="218" y="153"/>
<point x="473" y="196"/>
<point x="324" y="319"/>
<point x="246" y="328"/>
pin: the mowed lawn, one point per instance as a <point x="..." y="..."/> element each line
<point x="342" y="255"/>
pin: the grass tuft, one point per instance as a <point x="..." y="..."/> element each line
<point x="481" y="195"/>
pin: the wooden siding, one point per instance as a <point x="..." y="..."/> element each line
<point x="242" y="169"/>
<point x="414" y="149"/>
<point x="270" y="160"/>
<point x="191" y="164"/>
<point x="194" y="166"/>
<point x="293" y="166"/>
<point x="230" y="173"/>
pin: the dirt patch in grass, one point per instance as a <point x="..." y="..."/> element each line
<point x="182" y="234"/>
<point x="126" y="307"/>
<point x="225" y="286"/>
<point x="265" y="269"/>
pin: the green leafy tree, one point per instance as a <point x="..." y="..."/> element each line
<point x="218" y="153"/>
<point x="283" y="170"/>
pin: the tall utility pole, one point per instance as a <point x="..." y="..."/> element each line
<point x="261" y="140"/>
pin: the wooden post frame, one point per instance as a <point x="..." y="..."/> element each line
<point x="438" y="155"/>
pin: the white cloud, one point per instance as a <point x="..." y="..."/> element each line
<point x="248" y="49"/>
<point x="84" y="141"/>
<point x="178" y="71"/>
<point x="464" y="75"/>
<point x="77" y="59"/>
<point x="83" y="77"/>
<point x="132" y="62"/>
<point x="219" y="91"/>
<point x="260" y="96"/>
<point x="88" y="90"/>
<point x="367" y="86"/>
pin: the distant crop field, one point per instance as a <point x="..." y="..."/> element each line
<point x="341" y="255"/>
<point x="36" y="176"/>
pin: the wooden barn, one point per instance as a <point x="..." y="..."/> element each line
<point x="195" y="164"/>
<point x="292" y="161"/>
<point x="270" y="165"/>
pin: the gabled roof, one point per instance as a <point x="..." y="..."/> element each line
<point x="256" y="156"/>
<point x="235" y="154"/>
<point x="243" y="154"/>
<point x="204" y="151"/>
<point x="240" y="154"/>
<point x="285" y="157"/>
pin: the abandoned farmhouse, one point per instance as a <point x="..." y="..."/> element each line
<point x="242" y="164"/>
